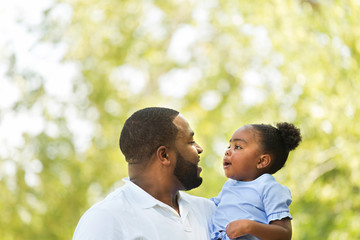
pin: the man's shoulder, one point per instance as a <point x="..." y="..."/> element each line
<point x="193" y="198"/>
<point x="115" y="200"/>
<point x="198" y="202"/>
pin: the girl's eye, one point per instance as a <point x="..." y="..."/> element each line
<point x="237" y="147"/>
<point x="228" y="147"/>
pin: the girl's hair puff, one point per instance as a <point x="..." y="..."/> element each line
<point x="278" y="142"/>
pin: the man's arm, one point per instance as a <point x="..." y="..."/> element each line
<point x="276" y="230"/>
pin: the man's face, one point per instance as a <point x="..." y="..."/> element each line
<point x="187" y="173"/>
<point x="186" y="169"/>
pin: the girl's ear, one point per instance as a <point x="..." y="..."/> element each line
<point x="264" y="161"/>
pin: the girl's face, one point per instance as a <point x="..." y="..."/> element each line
<point x="243" y="155"/>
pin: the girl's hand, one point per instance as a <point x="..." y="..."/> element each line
<point x="277" y="229"/>
<point x="238" y="228"/>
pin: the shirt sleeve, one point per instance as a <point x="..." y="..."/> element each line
<point x="277" y="199"/>
<point x="215" y="200"/>
<point x="96" y="224"/>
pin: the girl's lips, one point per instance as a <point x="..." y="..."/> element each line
<point x="226" y="163"/>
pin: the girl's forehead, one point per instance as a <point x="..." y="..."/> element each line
<point x="246" y="133"/>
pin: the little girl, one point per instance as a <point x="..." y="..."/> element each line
<point x="251" y="204"/>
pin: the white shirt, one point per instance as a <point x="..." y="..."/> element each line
<point x="131" y="213"/>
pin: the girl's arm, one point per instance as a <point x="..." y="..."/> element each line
<point x="278" y="229"/>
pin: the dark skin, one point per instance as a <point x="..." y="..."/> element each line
<point x="245" y="161"/>
<point x="156" y="176"/>
<point x="279" y="229"/>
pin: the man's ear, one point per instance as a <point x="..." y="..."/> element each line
<point x="163" y="155"/>
<point x="264" y="161"/>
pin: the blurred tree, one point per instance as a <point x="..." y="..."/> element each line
<point x="223" y="64"/>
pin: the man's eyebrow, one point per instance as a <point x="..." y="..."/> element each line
<point x="238" y="139"/>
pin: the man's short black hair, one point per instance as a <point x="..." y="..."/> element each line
<point x="146" y="130"/>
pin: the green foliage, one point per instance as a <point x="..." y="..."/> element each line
<point x="246" y="62"/>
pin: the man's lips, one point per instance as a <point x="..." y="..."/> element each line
<point x="198" y="161"/>
<point x="197" y="164"/>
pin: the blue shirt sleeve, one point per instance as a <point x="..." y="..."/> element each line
<point x="215" y="200"/>
<point x="276" y="199"/>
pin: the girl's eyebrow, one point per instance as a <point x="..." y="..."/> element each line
<point x="238" y="139"/>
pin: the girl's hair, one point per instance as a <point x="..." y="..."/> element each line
<point x="278" y="142"/>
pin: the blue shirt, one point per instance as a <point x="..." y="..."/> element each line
<point x="262" y="200"/>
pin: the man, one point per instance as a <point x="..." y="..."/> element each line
<point x="163" y="158"/>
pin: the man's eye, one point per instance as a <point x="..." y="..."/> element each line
<point x="237" y="147"/>
<point x="229" y="147"/>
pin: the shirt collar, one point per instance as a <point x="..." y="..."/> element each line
<point x="144" y="199"/>
<point x="138" y="196"/>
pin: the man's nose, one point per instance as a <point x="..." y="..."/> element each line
<point x="199" y="148"/>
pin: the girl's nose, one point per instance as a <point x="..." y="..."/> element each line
<point x="228" y="152"/>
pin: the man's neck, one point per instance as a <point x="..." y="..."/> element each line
<point x="159" y="189"/>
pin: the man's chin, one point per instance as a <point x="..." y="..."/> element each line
<point x="194" y="184"/>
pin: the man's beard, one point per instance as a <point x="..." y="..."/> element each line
<point x="187" y="173"/>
